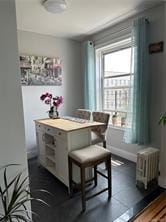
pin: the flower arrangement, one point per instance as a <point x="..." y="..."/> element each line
<point x="54" y="102"/>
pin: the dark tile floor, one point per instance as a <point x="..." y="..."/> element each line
<point x="64" y="209"/>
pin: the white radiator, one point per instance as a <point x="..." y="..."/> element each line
<point x="147" y="165"/>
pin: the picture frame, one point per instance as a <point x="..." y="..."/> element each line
<point x="40" y="70"/>
<point x="156" y="47"/>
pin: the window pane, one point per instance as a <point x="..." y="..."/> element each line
<point x="117" y="63"/>
<point x="116" y="99"/>
<point x="117" y="82"/>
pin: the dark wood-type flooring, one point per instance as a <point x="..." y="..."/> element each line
<point x="155" y="212"/>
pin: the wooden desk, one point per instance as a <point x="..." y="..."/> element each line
<point x="57" y="137"/>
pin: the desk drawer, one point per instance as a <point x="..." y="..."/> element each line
<point x="55" y="132"/>
<point x="50" y="130"/>
<point x="40" y="127"/>
<point x="59" y="133"/>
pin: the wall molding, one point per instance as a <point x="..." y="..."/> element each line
<point x="31" y="153"/>
<point x="122" y="153"/>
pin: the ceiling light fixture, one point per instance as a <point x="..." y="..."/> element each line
<point x="55" y="6"/>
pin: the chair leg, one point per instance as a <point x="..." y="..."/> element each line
<point x="95" y="175"/>
<point x="104" y="144"/>
<point x="83" y="188"/>
<point x="108" y="163"/>
<point x="70" y="176"/>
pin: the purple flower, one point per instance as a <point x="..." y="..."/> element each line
<point x="60" y="99"/>
<point x="47" y="101"/>
<point x="55" y="103"/>
<point x="42" y="97"/>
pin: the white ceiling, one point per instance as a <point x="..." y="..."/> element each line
<point x="81" y="18"/>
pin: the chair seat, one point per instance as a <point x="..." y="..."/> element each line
<point x="95" y="138"/>
<point x="89" y="154"/>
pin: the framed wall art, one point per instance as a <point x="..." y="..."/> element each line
<point x="156" y="47"/>
<point x="40" y="70"/>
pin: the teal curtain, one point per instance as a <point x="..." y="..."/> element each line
<point x="138" y="110"/>
<point x="89" y="75"/>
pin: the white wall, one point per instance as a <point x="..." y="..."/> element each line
<point x="162" y="178"/>
<point x="116" y="143"/>
<point x="156" y="28"/>
<point x="72" y="90"/>
<point x="12" y="139"/>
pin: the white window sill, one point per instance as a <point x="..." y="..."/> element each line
<point x="116" y="127"/>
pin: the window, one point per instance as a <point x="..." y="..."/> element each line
<point x="115" y="81"/>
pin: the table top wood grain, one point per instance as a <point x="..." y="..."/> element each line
<point x="67" y="125"/>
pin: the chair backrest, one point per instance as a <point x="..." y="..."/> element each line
<point x="103" y="118"/>
<point x="83" y="114"/>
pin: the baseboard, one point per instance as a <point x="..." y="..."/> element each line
<point x="122" y="153"/>
<point x="31" y="153"/>
<point x="162" y="182"/>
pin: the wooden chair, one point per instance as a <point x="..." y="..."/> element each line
<point x="90" y="157"/>
<point x="83" y="114"/>
<point x="98" y="133"/>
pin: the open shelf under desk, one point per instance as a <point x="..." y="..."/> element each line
<point x="51" y="146"/>
<point x="51" y="158"/>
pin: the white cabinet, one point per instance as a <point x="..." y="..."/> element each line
<point x="62" y="161"/>
<point x="40" y="135"/>
<point x="54" y="145"/>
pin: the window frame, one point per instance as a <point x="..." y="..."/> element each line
<point x="100" y="53"/>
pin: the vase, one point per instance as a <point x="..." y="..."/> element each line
<point x="114" y="120"/>
<point x="123" y="121"/>
<point x="54" y="114"/>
